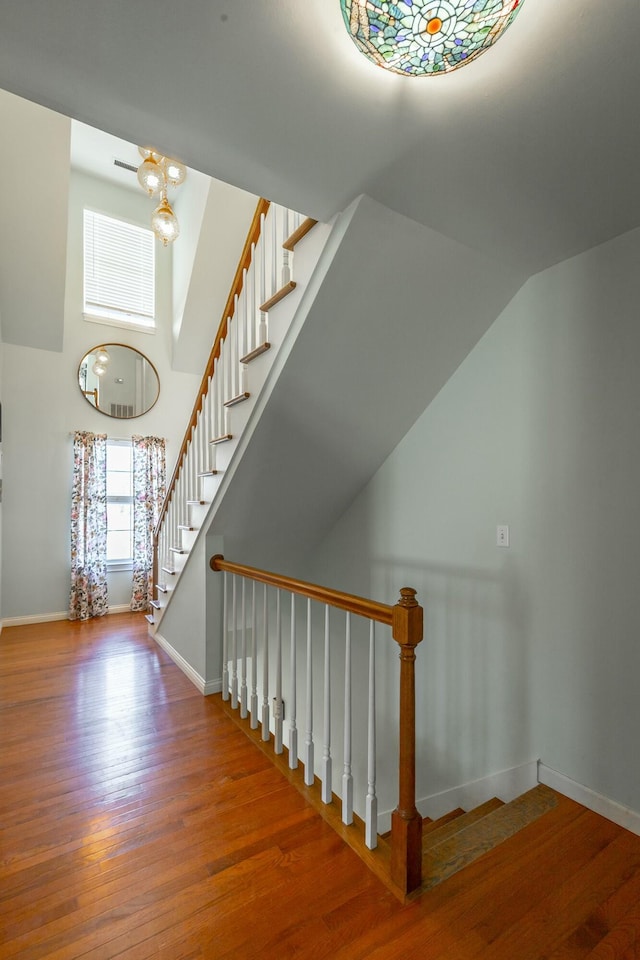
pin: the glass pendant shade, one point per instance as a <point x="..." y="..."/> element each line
<point x="99" y="369"/>
<point x="151" y="176"/>
<point x="165" y="223"/>
<point x="102" y="356"/>
<point x="174" y="171"/>
<point x="425" y="38"/>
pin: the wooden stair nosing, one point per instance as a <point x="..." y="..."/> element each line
<point x="168" y="570"/>
<point x="466" y="846"/>
<point x="254" y="354"/>
<point x="155" y="604"/>
<point x="222" y="439"/>
<point x="149" y="618"/>
<point x="196" y="503"/>
<point x="434" y="837"/>
<point x="278" y="296"/>
<point x="185" y="526"/>
<point x="162" y="587"/>
<point x="205" y="473"/>
<point x="428" y="828"/>
<point x="177" y="550"/>
<point x="235" y="400"/>
<point x="297" y="235"/>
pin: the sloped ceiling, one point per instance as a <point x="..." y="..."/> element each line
<point x="33" y="244"/>
<point x="530" y="153"/>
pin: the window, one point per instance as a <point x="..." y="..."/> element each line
<point x="119" y="272"/>
<point x="119" y="504"/>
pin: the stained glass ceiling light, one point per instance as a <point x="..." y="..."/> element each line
<point x="425" y="38"/>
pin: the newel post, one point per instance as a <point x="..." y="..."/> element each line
<point x="406" y="822"/>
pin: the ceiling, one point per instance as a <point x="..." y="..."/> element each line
<point x="529" y="153"/>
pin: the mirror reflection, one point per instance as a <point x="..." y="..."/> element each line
<point x="118" y="380"/>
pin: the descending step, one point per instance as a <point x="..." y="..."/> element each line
<point x="471" y="842"/>
<point x="437" y="832"/>
<point x="428" y="828"/>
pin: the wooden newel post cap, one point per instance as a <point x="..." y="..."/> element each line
<point x="407" y="597"/>
<point x="407" y="619"/>
<point x="213" y="563"/>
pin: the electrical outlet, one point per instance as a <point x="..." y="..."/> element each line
<point x="502" y="535"/>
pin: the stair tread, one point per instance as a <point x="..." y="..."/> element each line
<point x="199" y="503"/>
<point x="298" y="234"/>
<point x="466" y="846"/>
<point x="254" y="354"/>
<point x="169" y="571"/>
<point x="179" y="550"/>
<point x="434" y="837"/>
<point x="162" y="587"/>
<point x="278" y="296"/>
<point x="432" y="825"/>
<point x="185" y="526"/>
<point x="222" y="439"/>
<point x="205" y="473"/>
<point x="155" y="604"/>
<point x="240" y="398"/>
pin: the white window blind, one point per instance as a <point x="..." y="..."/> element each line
<point x="119" y="271"/>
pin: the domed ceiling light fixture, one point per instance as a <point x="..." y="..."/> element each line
<point x="426" y="38"/>
<point x="156" y="174"/>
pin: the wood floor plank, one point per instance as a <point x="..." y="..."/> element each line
<point x="138" y="822"/>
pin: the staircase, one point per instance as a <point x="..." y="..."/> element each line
<point x="458" y="839"/>
<point x="253" y="328"/>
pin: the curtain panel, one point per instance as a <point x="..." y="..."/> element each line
<point x="88" y="596"/>
<point x="149" y="486"/>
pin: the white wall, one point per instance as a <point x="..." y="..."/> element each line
<point x="532" y="650"/>
<point x="42" y="403"/>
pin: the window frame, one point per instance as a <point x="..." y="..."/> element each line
<point x="122" y="563"/>
<point x="111" y="299"/>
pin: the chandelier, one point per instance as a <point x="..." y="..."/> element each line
<point x="425" y="38"/>
<point x="156" y="174"/>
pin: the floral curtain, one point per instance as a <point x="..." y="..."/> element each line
<point x="149" y="480"/>
<point x="88" y="597"/>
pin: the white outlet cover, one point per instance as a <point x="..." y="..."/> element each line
<point x="502" y="535"/>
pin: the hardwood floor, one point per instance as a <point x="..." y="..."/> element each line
<point x="138" y="821"/>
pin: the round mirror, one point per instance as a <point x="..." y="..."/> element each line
<point x="118" y="381"/>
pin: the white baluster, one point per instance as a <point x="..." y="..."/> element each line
<point x="225" y="638"/>
<point x="251" y="325"/>
<point x="308" y="739"/>
<point x="277" y="707"/>
<point x="347" y="779"/>
<point x="286" y="254"/>
<point x="326" y="757"/>
<point x="293" y="730"/>
<point x="274" y="248"/>
<point x="243" y="684"/>
<point x="254" y="660"/>
<point x="235" y="349"/>
<point x="262" y="326"/>
<point x="371" y="807"/>
<point x="234" y="646"/>
<point x="265" y="669"/>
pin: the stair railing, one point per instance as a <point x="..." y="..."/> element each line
<point x="262" y="278"/>
<point x="250" y="647"/>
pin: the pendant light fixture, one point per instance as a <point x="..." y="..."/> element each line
<point x="426" y="38"/>
<point x="164" y="222"/>
<point x="156" y="174"/>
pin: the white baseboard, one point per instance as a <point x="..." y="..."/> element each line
<point x="506" y="784"/>
<point x="623" y="816"/>
<point x="51" y="617"/>
<point x="206" y="687"/>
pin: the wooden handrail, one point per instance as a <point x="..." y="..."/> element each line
<point x="381" y="612"/>
<point x="236" y="289"/>
<point x="406" y="621"/>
